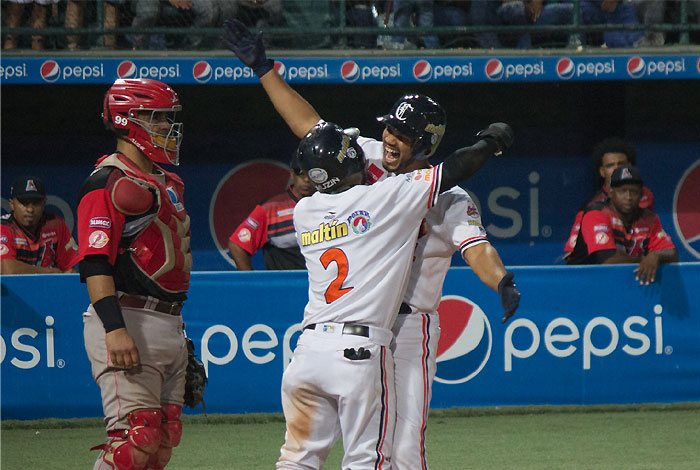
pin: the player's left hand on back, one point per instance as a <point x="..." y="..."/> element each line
<point x="510" y="296"/>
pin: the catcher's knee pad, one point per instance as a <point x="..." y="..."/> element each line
<point x="171" y="432"/>
<point x="130" y="449"/>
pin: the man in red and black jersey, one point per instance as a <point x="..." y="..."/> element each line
<point x="608" y="155"/>
<point x="136" y="262"/>
<point x="619" y="231"/>
<point x="32" y="241"/>
<point x="271" y="227"/>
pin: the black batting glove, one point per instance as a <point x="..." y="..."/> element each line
<point x="501" y="133"/>
<point x="510" y="296"/>
<point x="247" y="46"/>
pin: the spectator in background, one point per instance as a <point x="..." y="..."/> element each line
<point x="308" y="15"/>
<point x="13" y="19"/>
<point x="75" y="18"/>
<point x="651" y="12"/>
<point x="404" y="12"/>
<point x="504" y="13"/>
<point x="32" y="241"/>
<point x="149" y="13"/>
<point x="618" y="231"/>
<point x="451" y="13"/>
<point x="608" y="155"/>
<point x="612" y="12"/>
<point x="271" y="227"/>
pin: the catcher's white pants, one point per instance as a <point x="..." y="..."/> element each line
<point x="325" y="394"/>
<point x="415" y="344"/>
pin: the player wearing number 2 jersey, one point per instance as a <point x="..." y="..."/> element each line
<point x="358" y="242"/>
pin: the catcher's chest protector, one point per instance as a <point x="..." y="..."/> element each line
<point x="161" y="249"/>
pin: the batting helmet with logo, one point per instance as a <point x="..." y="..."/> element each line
<point x="420" y="118"/>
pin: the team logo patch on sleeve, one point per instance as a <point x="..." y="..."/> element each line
<point x="4" y="249"/>
<point x="98" y="239"/>
<point x="244" y="235"/>
<point x="601" y="238"/>
<point x="101" y="222"/>
<point x="472" y="211"/>
<point x="360" y="222"/>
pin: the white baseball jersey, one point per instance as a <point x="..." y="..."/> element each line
<point x="452" y="224"/>
<point x="358" y="247"/>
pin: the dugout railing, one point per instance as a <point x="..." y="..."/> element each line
<point x="338" y="30"/>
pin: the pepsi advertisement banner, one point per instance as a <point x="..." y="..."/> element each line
<point x="582" y="335"/>
<point x="325" y="70"/>
<point x="527" y="204"/>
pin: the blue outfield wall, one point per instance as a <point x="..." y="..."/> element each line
<point x="582" y="335"/>
<point x="527" y="204"/>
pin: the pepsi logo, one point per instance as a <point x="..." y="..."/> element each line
<point x="202" y="71"/>
<point x="494" y="69"/>
<point x="686" y="217"/>
<point x="465" y="340"/>
<point x="50" y="71"/>
<point x="127" y="69"/>
<point x="422" y="70"/>
<point x="281" y="69"/>
<point x="350" y="71"/>
<point x="565" y="68"/>
<point x="636" y="67"/>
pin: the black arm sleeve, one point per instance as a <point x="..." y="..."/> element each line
<point x="598" y="257"/>
<point x="464" y="163"/>
<point x="95" y="265"/>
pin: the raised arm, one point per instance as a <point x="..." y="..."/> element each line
<point x="464" y="163"/>
<point x="299" y="115"/>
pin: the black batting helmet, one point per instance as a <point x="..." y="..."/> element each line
<point x="329" y="155"/>
<point x="420" y="118"/>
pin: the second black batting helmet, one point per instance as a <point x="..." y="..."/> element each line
<point x="329" y="155"/>
<point x="420" y="118"/>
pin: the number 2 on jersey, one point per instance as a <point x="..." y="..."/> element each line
<point x="335" y="289"/>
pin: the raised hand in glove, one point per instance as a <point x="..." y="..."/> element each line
<point x="501" y="133"/>
<point x="510" y="296"/>
<point x="247" y="46"/>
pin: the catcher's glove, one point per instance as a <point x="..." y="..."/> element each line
<point x="195" y="380"/>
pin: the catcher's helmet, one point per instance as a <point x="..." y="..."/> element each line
<point x="123" y="103"/>
<point x="329" y="155"/>
<point x="420" y="118"/>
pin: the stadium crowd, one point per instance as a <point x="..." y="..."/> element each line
<point x="83" y="29"/>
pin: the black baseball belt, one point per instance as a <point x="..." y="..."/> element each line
<point x="150" y="303"/>
<point x="348" y="329"/>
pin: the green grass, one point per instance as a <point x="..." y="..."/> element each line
<point x="596" y="437"/>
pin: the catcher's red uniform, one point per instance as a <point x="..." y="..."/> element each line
<point x="149" y="246"/>
<point x="51" y="246"/>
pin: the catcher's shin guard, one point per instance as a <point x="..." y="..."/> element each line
<point x="171" y="432"/>
<point x="130" y="449"/>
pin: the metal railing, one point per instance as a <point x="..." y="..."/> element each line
<point x="339" y="29"/>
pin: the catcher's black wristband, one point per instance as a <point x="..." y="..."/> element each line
<point x="110" y="313"/>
